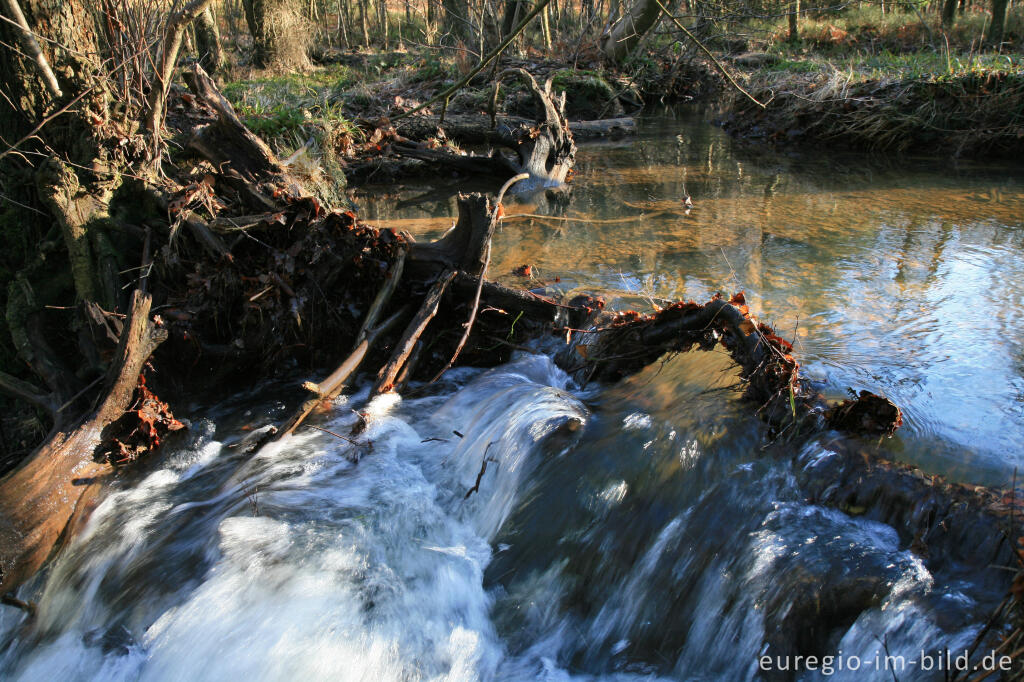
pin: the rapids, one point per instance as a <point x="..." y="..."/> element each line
<point x="507" y="524"/>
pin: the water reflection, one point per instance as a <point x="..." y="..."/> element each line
<point x="896" y="275"/>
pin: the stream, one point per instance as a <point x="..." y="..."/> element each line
<point x="508" y="524"/>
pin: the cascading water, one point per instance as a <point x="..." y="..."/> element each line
<point x="614" y="544"/>
<point x="647" y="530"/>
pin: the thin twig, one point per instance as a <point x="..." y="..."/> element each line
<point x="706" y="51"/>
<point x="336" y="435"/>
<point x="447" y="93"/>
<point x="480" y="476"/>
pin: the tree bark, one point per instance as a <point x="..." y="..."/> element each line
<point x="80" y="174"/>
<point x="456" y="21"/>
<point x="948" y="13"/>
<point x="625" y="34"/>
<point x="211" y="56"/>
<point x="280" y="34"/>
<point x="515" y="10"/>
<point x="995" y="29"/>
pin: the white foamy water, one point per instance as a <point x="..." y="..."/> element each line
<point x="406" y="558"/>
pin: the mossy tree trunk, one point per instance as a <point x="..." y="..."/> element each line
<point x="280" y="34"/>
<point x="211" y="56"/>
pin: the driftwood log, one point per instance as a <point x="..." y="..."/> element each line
<point x="40" y="499"/>
<point x="481" y="129"/>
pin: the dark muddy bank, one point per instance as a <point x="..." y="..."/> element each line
<point x="973" y="115"/>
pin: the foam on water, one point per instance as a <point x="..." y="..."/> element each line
<point x="316" y="559"/>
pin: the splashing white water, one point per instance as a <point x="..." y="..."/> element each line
<point x="315" y="559"/>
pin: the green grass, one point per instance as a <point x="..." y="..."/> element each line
<point x="867" y="31"/>
<point x="286" y="108"/>
<point x="887" y="66"/>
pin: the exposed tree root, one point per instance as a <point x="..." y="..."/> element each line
<point x="38" y="500"/>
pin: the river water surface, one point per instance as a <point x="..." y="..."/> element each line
<point x="640" y="531"/>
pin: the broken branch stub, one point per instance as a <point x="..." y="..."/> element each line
<point x="389" y="372"/>
<point x="243" y="159"/>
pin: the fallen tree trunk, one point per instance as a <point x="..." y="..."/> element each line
<point x="542" y="149"/>
<point x="39" y="499"/>
<point x="480" y="129"/>
<point x="242" y="159"/>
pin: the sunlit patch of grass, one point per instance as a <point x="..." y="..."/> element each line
<point x="865" y="31"/>
<point x="301" y="116"/>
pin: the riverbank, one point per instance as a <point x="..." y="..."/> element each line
<point x="975" y="112"/>
<point x="896" y="83"/>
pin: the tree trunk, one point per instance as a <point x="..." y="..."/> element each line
<point x="76" y="183"/>
<point x="948" y="13"/>
<point x="344" y="21"/>
<point x="456" y="22"/>
<point x="280" y="34"/>
<point x="995" y="30"/>
<point x="82" y="150"/>
<point x="514" y="12"/>
<point x="794" y="15"/>
<point x="211" y="56"/>
<point x="363" y="22"/>
<point x="384" y="22"/>
<point x="625" y="34"/>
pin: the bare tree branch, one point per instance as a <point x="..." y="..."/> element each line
<point x="168" y="58"/>
<point x="31" y="46"/>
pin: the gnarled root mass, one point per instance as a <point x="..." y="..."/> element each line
<point x="621" y="344"/>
